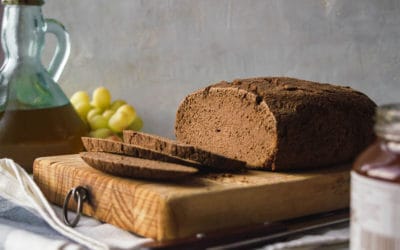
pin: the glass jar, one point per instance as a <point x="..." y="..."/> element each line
<point x="375" y="187"/>
<point x="36" y="118"/>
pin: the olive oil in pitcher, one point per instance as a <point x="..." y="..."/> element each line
<point x="36" y="118"/>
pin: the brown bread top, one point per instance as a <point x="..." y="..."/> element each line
<point x="277" y="122"/>
<point x="117" y="147"/>
<point x="182" y="150"/>
<point x="126" y="166"/>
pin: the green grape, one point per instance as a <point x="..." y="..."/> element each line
<point x="120" y="121"/>
<point x="128" y="109"/>
<point x="116" y="104"/>
<point x="101" y="98"/>
<point x="80" y="97"/>
<point x="105" y="118"/>
<point x="137" y="124"/>
<point x="97" y="121"/>
<point x="93" y="112"/>
<point x="101" y="133"/>
<point x="108" y="113"/>
<point x="82" y="109"/>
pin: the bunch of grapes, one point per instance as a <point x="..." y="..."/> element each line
<point x="105" y="118"/>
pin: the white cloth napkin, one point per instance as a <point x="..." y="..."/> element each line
<point x="22" y="201"/>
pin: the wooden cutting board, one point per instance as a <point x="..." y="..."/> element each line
<point x="198" y="204"/>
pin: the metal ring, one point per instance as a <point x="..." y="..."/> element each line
<point x="80" y="195"/>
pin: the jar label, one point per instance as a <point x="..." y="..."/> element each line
<point x="375" y="214"/>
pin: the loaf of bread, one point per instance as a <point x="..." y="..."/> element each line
<point x="278" y="123"/>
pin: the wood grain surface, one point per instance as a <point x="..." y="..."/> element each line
<point x="198" y="204"/>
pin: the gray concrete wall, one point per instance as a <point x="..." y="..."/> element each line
<point x="155" y="52"/>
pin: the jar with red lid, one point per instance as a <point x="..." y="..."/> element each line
<point x="375" y="187"/>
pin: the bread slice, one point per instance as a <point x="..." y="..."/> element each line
<point x="126" y="166"/>
<point x="117" y="147"/>
<point x="182" y="150"/>
<point x="278" y="123"/>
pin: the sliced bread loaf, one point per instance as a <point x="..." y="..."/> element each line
<point x="126" y="166"/>
<point x="277" y="123"/>
<point x="182" y="150"/>
<point x="117" y="147"/>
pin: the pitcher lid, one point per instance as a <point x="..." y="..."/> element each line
<point x="23" y="2"/>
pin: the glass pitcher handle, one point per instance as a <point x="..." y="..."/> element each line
<point x="63" y="48"/>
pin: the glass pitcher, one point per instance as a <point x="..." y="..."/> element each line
<point x="36" y="118"/>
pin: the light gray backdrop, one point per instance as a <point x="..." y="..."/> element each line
<point x="154" y="52"/>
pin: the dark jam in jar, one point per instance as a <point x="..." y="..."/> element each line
<point x="375" y="187"/>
